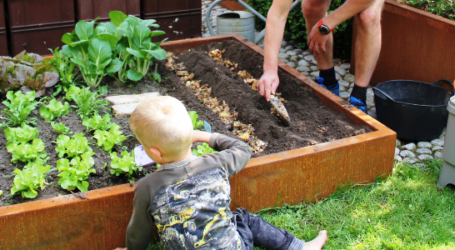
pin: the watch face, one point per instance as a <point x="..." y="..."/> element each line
<point x="324" y="29"/>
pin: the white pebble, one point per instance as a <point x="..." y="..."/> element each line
<point x="373" y="109"/>
<point x="398" y="158"/>
<point x="373" y="115"/>
<point x="306" y="53"/>
<point x="425" y="151"/>
<point x="345" y="95"/>
<point x="424" y="144"/>
<point x="314" y="68"/>
<point x="407" y="153"/>
<point x="303" y="68"/>
<point x="338" y="77"/>
<point x="298" y="51"/>
<point x="309" y="58"/>
<point x="284" y="44"/>
<point x="303" y="63"/>
<point x="282" y="56"/>
<point x="410" y="160"/>
<point x="425" y="157"/>
<point x="398" y="143"/>
<point x="438" y="142"/>
<point x="437" y="148"/>
<point x="291" y="53"/>
<point x="291" y="64"/>
<point x="289" y="47"/>
<point x="343" y="83"/>
<point x="349" y="78"/>
<point x="315" y="73"/>
<point x="438" y="155"/>
<point x="294" y="58"/>
<point x="397" y="151"/>
<point x="340" y="70"/>
<point x="345" y="66"/>
<point x="410" y="146"/>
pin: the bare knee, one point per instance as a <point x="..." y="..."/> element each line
<point x="369" y="18"/>
<point x="314" y="8"/>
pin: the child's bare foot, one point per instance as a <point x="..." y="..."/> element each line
<point x="317" y="243"/>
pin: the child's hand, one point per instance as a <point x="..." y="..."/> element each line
<point x="201" y="136"/>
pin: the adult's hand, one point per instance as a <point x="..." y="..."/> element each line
<point x="316" y="41"/>
<point x="268" y="84"/>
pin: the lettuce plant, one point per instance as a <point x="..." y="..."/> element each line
<point x="203" y="149"/>
<point x="108" y="139"/>
<point x="54" y="110"/>
<point x="74" y="146"/>
<point x="91" y="50"/>
<point x="194" y="119"/>
<point x="97" y="122"/>
<point x="60" y="128"/>
<point x="26" y="152"/>
<point x="23" y="134"/>
<point x="87" y="102"/>
<point x="65" y="68"/>
<point x="30" y="178"/>
<point x="136" y="49"/>
<point x="19" y="106"/>
<point x="125" y="165"/>
<point x="74" y="173"/>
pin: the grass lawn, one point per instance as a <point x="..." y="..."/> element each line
<point x="404" y="211"/>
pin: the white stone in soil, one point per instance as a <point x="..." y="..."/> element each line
<point x="425" y="157"/>
<point x="123" y="99"/>
<point x="424" y="144"/>
<point x="291" y="53"/>
<point x="292" y="64"/>
<point x="370" y="103"/>
<point x="284" y="44"/>
<point x="438" y="155"/>
<point x="437" y="148"/>
<point x="282" y="50"/>
<point x="303" y="63"/>
<point x="411" y="160"/>
<point x="338" y="76"/>
<point x="409" y="146"/>
<point x="407" y="153"/>
<point x="398" y="143"/>
<point x="344" y="95"/>
<point x="124" y="109"/>
<point x="373" y="110"/>
<point x="349" y="78"/>
<point x="285" y="60"/>
<point x="302" y="68"/>
<point x="397" y="151"/>
<point x="309" y="58"/>
<point x="342" y="88"/>
<point x="282" y="56"/>
<point x="315" y="74"/>
<point x="438" y="142"/>
<point x="343" y="83"/>
<point x="305" y="73"/>
<point x="306" y="53"/>
<point x="314" y="68"/>
<point x="398" y="158"/>
<point x="425" y="151"/>
<point x="373" y="115"/>
<point x="300" y="56"/>
<point x="294" y="58"/>
<point x="336" y="60"/>
<point x="298" y="51"/>
<point x="340" y="71"/>
<point x="289" y="47"/>
<point x="314" y="62"/>
<point x="345" y="66"/>
<point x="206" y="35"/>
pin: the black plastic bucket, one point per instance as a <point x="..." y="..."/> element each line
<point x="416" y="111"/>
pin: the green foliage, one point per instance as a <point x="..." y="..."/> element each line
<point x="29" y="179"/>
<point x="65" y="68"/>
<point x="203" y="149"/>
<point x="73" y="174"/>
<point x="136" y="50"/>
<point x="295" y="29"/>
<point x="19" y="106"/>
<point x="194" y="119"/>
<point x="444" y="8"/>
<point x="23" y="134"/>
<point x="54" y="110"/>
<point x="108" y="139"/>
<point x="25" y="152"/>
<point x="87" y="102"/>
<point x="97" y="122"/>
<point x="72" y="147"/>
<point x="28" y="71"/>
<point x="60" y="128"/>
<point x="125" y="165"/>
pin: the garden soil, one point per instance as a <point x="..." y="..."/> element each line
<point x="311" y="121"/>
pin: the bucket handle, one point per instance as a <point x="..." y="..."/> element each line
<point x="451" y="90"/>
<point x="382" y="92"/>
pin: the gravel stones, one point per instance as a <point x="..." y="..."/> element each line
<point x="340" y="70"/>
<point x="426" y="151"/>
<point x="309" y="58"/>
<point x="407" y="153"/>
<point x="438" y="155"/>
<point x="425" y="157"/>
<point x="302" y="68"/>
<point x="314" y="68"/>
<point x="345" y="95"/>
<point x="437" y="142"/>
<point x="291" y="64"/>
<point x="344" y="83"/>
<point x="315" y="74"/>
<point x="398" y="158"/>
<point x="411" y="160"/>
<point x="303" y="63"/>
<point x="437" y="148"/>
<point x="424" y="144"/>
<point x="291" y="53"/>
<point x="397" y="151"/>
<point x="398" y="143"/>
<point x="410" y="146"/>
<point x="349" y="78"/>
<point x="345" y="66"/>
<point x="283" y="56"/>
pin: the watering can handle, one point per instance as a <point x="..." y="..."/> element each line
<point x="450" y="89"/>
<point x="386" y="95"/>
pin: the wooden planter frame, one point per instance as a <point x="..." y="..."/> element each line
<point x="99" y="220"/>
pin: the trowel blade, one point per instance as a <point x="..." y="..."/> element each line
<point x="141" y="158"/>
<point x="281" y="111"/>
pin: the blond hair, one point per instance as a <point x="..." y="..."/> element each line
<point x="163" y="122"/>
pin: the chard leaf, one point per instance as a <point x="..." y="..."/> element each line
<point x="117" y="17"/>
<point x="99" y="53"/>
<point x="72" y="52"/>
<point x="84" y="30"/>
<point x="133" y="75"/>
<point x="68" y="38"/>
<point x="111" y="39"/>
<point x="114" y="66"/>
<point x="135" y="53"/>
<point x="157" y="33"/>
<point x="159" y="53"/>
<point x="141" y="34"/>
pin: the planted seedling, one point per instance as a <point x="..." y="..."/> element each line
<point x="65" y="68"/>
<point x="54" y="110"/>
<point x="203" y="149"/>
<point x="60" y="128"/>
<point x="26" y="152"/>
<point x="87" y="102"/>
<point x="97" y="122"/>
<point x="23" y="134"/>
<point x="73" y="174"/>
<point x="108" y="139"/>
<point x="194" y="119"/>
<point x="29" y="179"/>
<point x="19" y="106"/>
<point x="125" y="165"/>
<point x="74" y="146"/>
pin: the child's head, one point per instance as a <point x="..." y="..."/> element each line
<point x="163" y="123"/>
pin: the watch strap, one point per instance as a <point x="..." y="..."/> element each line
<point x="320" y="23"/>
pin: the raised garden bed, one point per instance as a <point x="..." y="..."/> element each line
<point x="285" y="172"/>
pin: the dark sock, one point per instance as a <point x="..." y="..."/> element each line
<point x="330" y="80"/>
<point x="359" y="93"/>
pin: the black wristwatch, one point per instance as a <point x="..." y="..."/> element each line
<point x="324" y="29"/>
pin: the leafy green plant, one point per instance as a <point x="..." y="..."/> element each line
<point x="194" y="119"/>
<point x="23" y="134"/>
<point x="74" y="173"/>
<point x="25" y="152"/>
<point x="203" y="149"/>
<point x="19" y="106"/>
<point x="125" y="165"/>
<point x="108" y="139"/>
<point x="54" y="110"/>
<point x="72" y="147"/>
<point x="87" y="102"/>
<point x="30" y="178"/>
<point x="65" y="68"/>
<point x="97" y="122"/>
<point x="60" y="128"/>
<point x="91" y="50"/>
<point x="136" y="49"/>
<point x="444" y="8"/>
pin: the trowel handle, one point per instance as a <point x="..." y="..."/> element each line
<point x="447" y="84"/>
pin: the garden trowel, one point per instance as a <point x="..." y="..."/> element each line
<point x="281" y="111"/>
